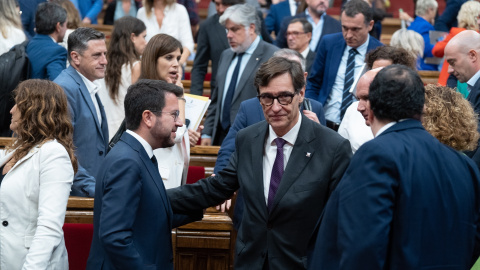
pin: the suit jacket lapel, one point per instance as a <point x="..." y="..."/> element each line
<point x="222" y="73"/>
<point x="299" y="158"/>
<point x="88" y="99"/>
<point x="251" y="66"/>
<point x="258" y="148"/>
<point x="337" y="53"/>
<point x="152" y="170"/>
<point x="7" y="157"/>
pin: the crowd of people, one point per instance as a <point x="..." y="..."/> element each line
<point x="339" y="155"/>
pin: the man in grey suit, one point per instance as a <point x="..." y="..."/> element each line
<point x="286" y="167"/>
<point x="87" y="55"/>
<point x="236" y="69"/>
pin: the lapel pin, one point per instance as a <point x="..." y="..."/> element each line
<point x="308" y="154"/>
<point x="257" y="58"/>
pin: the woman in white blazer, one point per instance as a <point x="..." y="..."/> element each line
<point x="36" y="176"/>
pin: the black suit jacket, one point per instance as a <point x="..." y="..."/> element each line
<point x="310" y="60"/>
<point x="474" y="99"/>
<point x="211" y="42"/>
<point x="330" y="26"/>
<point x="317" y="162"/>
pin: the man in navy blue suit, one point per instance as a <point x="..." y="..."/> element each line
<point x="46" y="56"/>
<point x="133" y="218"/>
<point x="406" y="200"/>
<point x="316" y="15"/>
<point x="87" y="55"/>
<point x="327" y="79"/>
<point x="278" y="12"/>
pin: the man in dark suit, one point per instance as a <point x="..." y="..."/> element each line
<point x="316" y="15"/>
<point x="133" y="219"/>
<point x="278" y="12"/>
<point x="87" y="55"/>
<point x="299" y="35"/>
<point x="339" y="59"/>
<point x="46" y="56"/>
<point x="236" y="70"/>
<point x="463" y="56"/>
<point x="211" y="42"/>
<point x="28" y="9"/>
<point x="406" y="201"/>
<point x="286" y="167"/>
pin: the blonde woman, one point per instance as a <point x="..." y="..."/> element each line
<point x="11" y="32"/>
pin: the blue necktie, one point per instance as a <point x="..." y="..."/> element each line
<point x="227" y="104"/>
<point x="349" y="76"/>
<point x="277" y="172"/>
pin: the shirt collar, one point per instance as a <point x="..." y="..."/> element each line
<point x="362" y="49"/>
<point x="310" y="17"/>
<point x="145" y="144"/>
<point x="92" y="87"/>
<point x="474" y="79"/>
<point x="291" y="135"/>
<point x="253" y="46"/>
<point x="380" y="131"/>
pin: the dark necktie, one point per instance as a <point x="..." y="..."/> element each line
<point x="154" y="161"/>
<point x="229" y="96"/>
<point x="277" y="172"/>
<point x="349" y="76"/>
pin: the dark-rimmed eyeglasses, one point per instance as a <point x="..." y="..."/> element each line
<point x="283" y="99"/>
<point x="174" y="114"/>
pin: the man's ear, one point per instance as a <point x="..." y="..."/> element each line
<point x="370" y="25"/>
<point x="57" y="27"/>
<point x="251" y="29"/>
<point x="473" y="55"/>
<point x="148" y="119"/>
<point x="76" y="57"/>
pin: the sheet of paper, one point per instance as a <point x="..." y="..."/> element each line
<point x="195" y="109"/>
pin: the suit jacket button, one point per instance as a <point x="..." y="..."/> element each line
<point x="5" y="223"/>
<point x="100" y="153"/>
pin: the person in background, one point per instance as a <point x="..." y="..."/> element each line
<point x="73" y="19"/>
<point x="47" y="57"/>
<point x="468" y="19"/>
<point x="11" y="32"/>
<point x="448" y="18"/>
<point x="299" y="35"/>
<point x="192" y="9"/>
<point x="411" y="41"/>
<point x="36" y="174"/>
<point x="278" y="12"/>
<point x="28" y="8"/>
<point x="89" y="10"/>
<point x="168" y="17"/>
<point x="450" y="118"/>
<point x="87" y="53"/>
<point x="160" y="61"/>
<point x="123" y="68"/>
<point x="423" y="24"/>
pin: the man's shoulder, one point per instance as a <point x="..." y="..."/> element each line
<point x="212" y="20"/>
<point x="330" y="20"/>
<point x="264" y="46"/>
<point x="333" y="39"/>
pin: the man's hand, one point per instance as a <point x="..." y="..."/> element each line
<point x="311" y="115"/>
<point x="224" y="206"/>
<point x="206" y="142"/>
<point x="194" y="136"/>
<point x="86" y="20"/>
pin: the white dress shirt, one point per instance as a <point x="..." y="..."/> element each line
<point x="145" y="144"/>
<point x="293" y="7"/>
<point x="92" y="88"/>
<point x="334" y="100"/>
<point x="354" y="129"/>
<point x="176" y="23"/>
<point x="473" y="81"/>
<point x="271" y="152"/>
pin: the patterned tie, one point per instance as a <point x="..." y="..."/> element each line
<point x="277" y="172"/>
<point x="231" y="90"/>
<point x="349" y="75"/>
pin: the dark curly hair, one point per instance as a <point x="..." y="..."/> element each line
<point x="397" y="55"/>
<point x="397" y="92"/>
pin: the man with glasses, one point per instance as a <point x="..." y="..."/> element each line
<point x="316" y="15"/>
<point x="286" y="167"/>
<point x="133" y="219"/>
<point x="298" y="35"/>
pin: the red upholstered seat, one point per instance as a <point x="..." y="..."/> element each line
<point x="78" y="238"/>
<point x="195" y="173"/>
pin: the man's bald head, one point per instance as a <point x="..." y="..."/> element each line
<point x="363" y="86"/>
<point x="462" y="53"/>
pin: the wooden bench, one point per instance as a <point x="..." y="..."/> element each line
<point x="429" y="76"/>
<point x="187" y="84"/>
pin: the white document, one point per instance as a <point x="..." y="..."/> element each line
<point x="195" y="109"/>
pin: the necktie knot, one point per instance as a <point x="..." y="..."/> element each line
<point x="352" y="51"/>
<point x="280" y="142"/>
